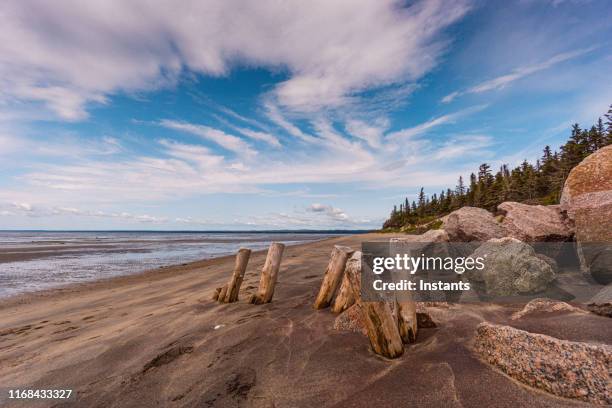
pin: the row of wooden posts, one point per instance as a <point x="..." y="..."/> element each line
<point x="269" y="274"/>
<point x="389" y="325"/>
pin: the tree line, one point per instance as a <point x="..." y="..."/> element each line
<point x="539" y="183"/>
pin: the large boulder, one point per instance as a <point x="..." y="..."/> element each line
<point x="534" y="223"/>
<point x="511" y="267"/>
<point x="589" y="184"/>
<point x="565" y="368"/>
<point x="473" y="224"/>
<point x="587" y="201"/>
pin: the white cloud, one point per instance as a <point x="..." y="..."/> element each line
<point x="30" y="210"/>
<point x="330" y="211"/>
<point x="66" y="54"/>
<point x="275" y="115"/>
<point x="422" y="128"/>
<point x="502" y="81"/>
<point x="462" y="146"/>
<point x="261" y="136"/>
<point x="372" y="133"/>
<point x="228" y="142"/>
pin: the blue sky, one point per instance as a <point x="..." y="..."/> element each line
<point x="252" y="115"/>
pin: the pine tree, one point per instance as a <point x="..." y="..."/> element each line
<point x="422" y="202"/>
<point x="608" y="123"/>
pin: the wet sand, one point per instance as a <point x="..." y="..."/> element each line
<point x="156" y="339"/>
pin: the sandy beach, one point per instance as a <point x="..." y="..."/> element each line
<point x="157" y="339"/>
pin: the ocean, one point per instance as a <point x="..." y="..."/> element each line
<point x="35" y="260"/>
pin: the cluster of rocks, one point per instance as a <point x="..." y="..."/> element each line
<point x="518" y="263"/>
<point x="564" y="368"/>
<point x="583" y="219"/>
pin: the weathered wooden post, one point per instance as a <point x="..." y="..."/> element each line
<point x="269" y="275"/>
<point x="407" y="321"/>
<point x="405" y="307"/>
<point x="222" y="293"/>
<point x="333" y="276"/>
<point x="215" y="295"/>
<point x="233" y="286"/>
<point x="380" y="322"/>
<point x="345" y="297"/>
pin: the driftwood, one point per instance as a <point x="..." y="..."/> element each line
<point x="269" y="275"/>
<point x="215" y="295"/>
<point x="382" y="329"/>
<point x="233" y="286"/>
<point x="380" y="321"/>
<point x="333" y="276"/>
<point x="407" y="321"/>
<point x="222" y="293"/>
<point x="350" y="279"/>
<point x="345" y="297"/>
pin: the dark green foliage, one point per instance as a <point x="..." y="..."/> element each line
<point x="533" y="184"/>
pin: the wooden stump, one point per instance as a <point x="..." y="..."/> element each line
<point x="333" y="276"/>
<point x="269" y="275"/>
<point x="353" y="274"/>
<point x="380" y="322"/>
<point x="233" y="286"/>
<point x="407" y="321"/>
<point x="215" y="295"/>
<point x="345" y="297"/>
<point x="222" y="293"/>
<point x="382" y="329"/>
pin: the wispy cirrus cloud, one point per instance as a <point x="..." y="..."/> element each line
<point x="226" y="141"/>
<point x="424" y="127"/>
<point x="502" y="81"/>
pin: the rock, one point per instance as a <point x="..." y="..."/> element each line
<point x="564" y="368"/>
<point x="542" y="305"/>
<point x="589" y="184"/>
<point x="351" y="320"/>
<point x="534" y="223"/>
<point x="473" y="224"/>
<point x="594" y="242"/>
<point x="511" y="267"/>
<point x="431" y="236"/>
<point x="601" y="303"/>
<point x="549" y="261"/>
<point x="587" y="201"/>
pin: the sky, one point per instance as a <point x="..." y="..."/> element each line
<point x="255" y="115"/>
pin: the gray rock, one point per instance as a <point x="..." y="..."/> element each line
<point x="473" y="224"/>
<point x="511" y="268"/>
<point x="549" y="260"/>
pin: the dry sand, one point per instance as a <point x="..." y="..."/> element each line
<point x="150" y="340"/>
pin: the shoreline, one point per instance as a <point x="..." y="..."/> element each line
<point x="27" y="297"/>
<point x="157" y="338"/>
